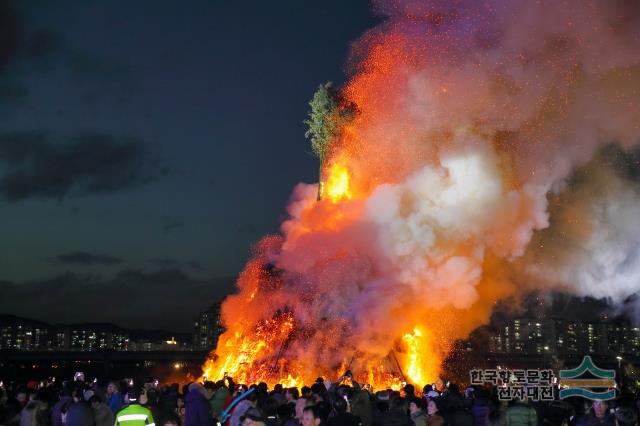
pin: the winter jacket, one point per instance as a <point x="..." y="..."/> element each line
<point x="56" y="413"/>
<point x="79" y="414"/>
<point x="460" y="417"/>
<point x="361" y="406"/>
<point x="115" y="402"/>
<point x="103" y="415"/>
<point x="197" y="408"/>
<point x="393" y="417"/>
<point x="520" y="414"/>
<point x="345" y="419"/>
<point x="592" y="420"/>
<point x="435" y="420"/>
<point x="218" y="400"/>
<point x="239" y="411"/>
<point x="480" y="411"/>
<point x="418" y="418"/>
<point x="134" y="415"/>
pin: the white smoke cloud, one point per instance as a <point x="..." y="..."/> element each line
<point x="433" y="229"/>
<point x="547" y="84"/>
<point x="610" y="262"/>
<point x="593" y="248"/>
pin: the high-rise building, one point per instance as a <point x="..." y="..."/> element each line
<point x="119" y="341"/>
<point x="207" y="328"/>
<point x="565" y="337"/>
<point x="60" y="339"/>
<point x="23" y="334"/>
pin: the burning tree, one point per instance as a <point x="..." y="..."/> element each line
<point x="329" y="112"/>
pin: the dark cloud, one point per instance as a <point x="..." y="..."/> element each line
<point x="11" y="41"/>
<point x="169" y="263"/>
<point x="195" y="266"/>
<point x="11" y="33"/>
<point x="166" y="299"/>
<point x="11" y="90"/>
<point x="164" y="262"/>
<point x="90" y="163"/>
<point x="43" y="44"/>
<point x="27" y="48"/>
<point x="23" y="48"/>
<point x="101" y="78"/>
<point x="84" y="258"/>
<point x="171" y="224"/>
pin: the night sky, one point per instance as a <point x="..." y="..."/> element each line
<point x="145" y="145"/>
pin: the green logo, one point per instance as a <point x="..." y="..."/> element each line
<point x="572" y="385"/>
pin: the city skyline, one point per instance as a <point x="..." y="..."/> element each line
<point x="27" y="334"/>
<point x="542" y="329"/>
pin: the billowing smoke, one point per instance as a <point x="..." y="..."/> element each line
<point x="471" y="117"/>
<point x="592" y="247"/>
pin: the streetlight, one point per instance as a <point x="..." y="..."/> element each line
<point x="619" y="358"/>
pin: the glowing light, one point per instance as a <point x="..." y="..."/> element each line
<point x="419" y="356"/>
<point x="337" y="185"/>
<point x="245" y="357"/>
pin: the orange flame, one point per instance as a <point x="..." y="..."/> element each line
<point x="337" y="185"/>
<point x="241" y="359"/>
<point x="421" y="362"/>
<point x="254" y="349"/>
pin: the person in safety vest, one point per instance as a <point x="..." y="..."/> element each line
<point x="134" y="414"/>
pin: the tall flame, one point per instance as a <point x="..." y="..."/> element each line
<point x="337" y="185"/>
<point x="421" y="361"/>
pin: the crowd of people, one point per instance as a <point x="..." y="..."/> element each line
<point x="341" y="403"/>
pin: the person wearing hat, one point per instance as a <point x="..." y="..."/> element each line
<point x="252" y="417"/>
<point x="134" y="414"/>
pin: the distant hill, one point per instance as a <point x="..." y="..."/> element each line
<point x="13" y="319"/>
